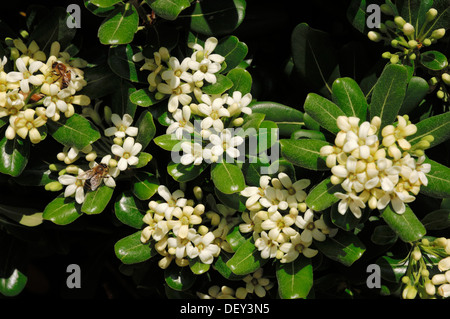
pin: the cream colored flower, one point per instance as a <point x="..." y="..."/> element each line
<point x="257" y="284"/>
<point x="185" y="218"/>
<point x="25" y="76"/>
<point x="267" y="246"/>
<point x="398" y="134"/>
<point x="127" y="153"/>
<point x="182" y="123"/>
<point x="74" y="186"/>
<point x="202" y="246"/>
<point x="296" y="247"/>
<point x="254" y="193"/>
<point x="352" y="201"/>
<point x="122" y="126"/>
<point x="26" y="124"/>
<point x="312" y="228"/>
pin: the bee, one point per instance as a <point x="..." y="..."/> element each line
<point x="63" y="72"/>
<point x="95" y="175"/>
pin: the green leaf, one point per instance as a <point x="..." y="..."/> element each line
<point x="228" y="178"/>
<point x="407" y="226"/>
<point x="242" y="81"/>
<point x="147" y="129"/>
<point x="308" y="134"/>
<point x="222" y="268"/>
<point x="168" y="142"/>
<point x="120" y="26"/>
<point x="315" y="58"/>
<point x="304" y="153"/>
<point x="321" y="196"/>
<point x="349" y="97"/>
<point x="383" y="235"/>
<point x="433" y="60"/>
<point x="14" y="155"/>
<point x="392" y="269"/>
<point x="120" y="60"/>
<point x="345" y="248"/>
<point x="235" y="200"/>
<point x="416" y="91"/>
<point x="438" y="126"/>
<point x="179" y="278"/>
<point x="247" y="259"/>
<point x="76" y="131"/>
<point x="129" y="211"/>
<point x="443" y="18"/>
<point x="232" y="50"/>
<point x="62" y="210"/>
<point x="216" y="18"/>
<point x="99" y="11"/>
<point x="121" y="103"/>
<point x="235" y="238"/>
<point x="438" y="181"/>
<point x="184" y="173"/>
<point x="197" y="267"/>
<point x="143" y="97"/>
<point x="130" y="249"/>
<point x="96" y="201"/>
<point x="277" y="112"/>
<point x="221" y="86"/>
<point x="145" y="185"/>
<point x="168" y="9"/>
<point x="104" y="3"/>
<point x="437" y="220"/>
<point x="14" y="284"/>
<point x="101" y="81"/>
<point x="388" y="93"/>
<point x="348" y="221"/>
<point x="144" y="158"/>
<point x="414" y="11"/>
<point x="323" y="111"/>
<point x="295" y="279"/>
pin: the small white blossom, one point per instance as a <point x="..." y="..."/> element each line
<point x="122" y="126"/>
<point x="26" y="75"/>
<point x="74" y="185"/>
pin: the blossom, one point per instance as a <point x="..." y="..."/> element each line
<point x="192" y="153"/>
<point x="352" y="201"/>
<point x="295" y="247"/>
<point x="202" y="246"/>
<point x="204" y="70"/>
<point x="206" y="51"/>
<point x="255" y="193"/>
<point x="178" y="95"/>
<point x="256" y="283"/>
<point x="122" y="126"/>
<point x="224" y="142"/>
<point x="55" y="100"/>
<point x="311" y="228"/>
<point x="239" y="102"/>
<point x="177" y="72"/>
<point x="360" y="143"/>
<point x="30" y="53"/>
<point x="25" y="124"/>
<point x="185" y="218"/>
<point x="127" y="153"/>
<point x="25" y="75"/>
<point x="182" y="123"/>
<point x="175" y="199"/>
<point x="13" y="103"/>
<point x="397" y="199"/>
<point x="214" y="111"/>
<point x="277" y="223"/>
<point x="398" y="134"/>
<point x="295" y="191"/>
<point x="74" y="185"/>
<point x="274" y="199"/>
<point x="267" y="246"/>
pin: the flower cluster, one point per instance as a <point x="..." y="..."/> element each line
<point x="255" y="283"/>
<point x="417" y="278"/>
<point x="404" y="36"/>
<point x="194" y="112"/>
<point x="371" y="172"/>
<point x="178" y="227"/>
<point x="278" y="218"/>
<point x="38" y="89"/>
<point x="122" y="154"/>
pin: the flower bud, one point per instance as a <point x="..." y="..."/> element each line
<point x="444" y="290"/>
<point x="203" y="230"/>
<point x="413" y="44"/>
<point x="408" y="29"/>
<point x="386" y="55"/>
<point x="430" y="288"/>
<point x="441" y="241"/>
<point x="387" y="9"/>
<point x="444" y="264"/>
<point x="438" y="34"/>
<point x="53" y="186"/>
<point x="399" y="21"/>
<point x="426" y="42"/>
<point x="431" y="15"/>
<point x="72" y="169"/>
<point x="394" y="59"/>
<point x="440" y="94"/>
<point x="446" y="78"/>
<point x="118" y="141"/>
<point x="91" y="156"/>
<point x="374" y="36"/>
<point x="198" y="193"/>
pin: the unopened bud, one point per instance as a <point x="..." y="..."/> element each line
<point x="438" y="34"/>
<point x="198" y="193"/>
<point x="108" y="113"/>
<point x="203" y="230"/>
<point x="387" y="9"/>
<point x="413" y="44"/>
<point x="374" y="36"/>
<point x="118" y="141"/>
<point x="394" y="59"/>
<point x="72" y="169"/>
<point x="53" y="186"/>
<point x="440" y="94"/>
<point x="408" y="29"/>
<point x="446" y="78"/>
<point x="431" y="14"/>
<point x="386" y="55"/>
<point x="399" y="21"/>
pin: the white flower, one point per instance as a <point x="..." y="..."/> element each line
<point x="122" y="126"/>
<point x="192" y="153"/>
<point x="203" y="247"/>
<point x="415" y="171"/>
<point x="352" y="201"/>
<point x="256" y="283"/>
<point x="397" y="199"/>
<point x="397" y="134"/>
<point x="185" y="218"/>
<point x="296" y="193"/>
<point x="13" y="103"/>
<point x="181" y="244"/>
<point x="25" y="75"/>
<point x="177" y="72"/>
<point x="360" y="142"/>
<point x="255" y="193"/>
<point x="311" y="227"/>
<point x="296" y="247"/>
<point x="127" y="153"/>
<point x="274" y="199"/>
<point x="74" y="185"/>
<point x="267" y="246"/>
<point x="204" y="70"/>
<point x="55" y="101"/>
<point x="182" y="123"/>
<point x="178" y="95"/>
<point x="26" y="124"/>
<point x="206" y="51"/>
<point x="223" y="142"/>
<point x="241" y="102"/>
<point x="175" y="199"/>
<point x="277" y="224"/>
<point x="214" y="111"/>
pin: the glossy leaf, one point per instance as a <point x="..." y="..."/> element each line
<point x="323" y="111"/>
<point x="304" y="153"/>
<point x="407" y="226"/>
<point x="388" y="93"/>
<point x="223" y="84"/>
<point x="14" y="284"/>
<point x="62" y="210"/>
<point x="349" y="97"/>
<point x="228" y="178"/>
<point x="433" y="60"/>
<point x="321" y="196"/>
<point x="185" y="173"/>
<point x="179" y="278"/>
<point x="143" y="97"/>
<point x="130" y="249"/>
<point x="438" y="181"/>
<point x="235" y="238"/>
<point x="416" y="91"/>
<point x="438" y="126"/>
<point x="247" y="259"/>
<point x="215" y="18"/>
<point x="295" y="279"/>
<point x="437" y="220"/>
<point x="233" y="50"/>
<point x="96" y="201"/>
<point x="104" y="3"/>
<point x="120" y="26"/>
<point x="197" y="267"/>
<point x="242" y="81"/>
<point x="392" y="269"/>
<point x="101" y="81"/>
<point x="147" y="129"/>
<point x="309" y="134"/>
<point x="315" y="58"/>
<point x="383" y="235"/>
<point x="120" y="60"/>
<point x="14" y="155"/>
<point x="145" y="185"/>
<point x="129" y="211"/>
<point x="168" y="9"/>
<point x="220" y="264"/>
<point x="76" y="131"/>
<point x="344" y="247"/>
<point x="168" y="142"/>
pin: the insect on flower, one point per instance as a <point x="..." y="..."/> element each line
<point x="63" y="73"/>
<point x="95" y="175"/>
